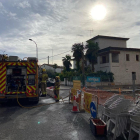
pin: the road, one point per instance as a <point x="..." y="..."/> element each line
<point x="50" y="122"/>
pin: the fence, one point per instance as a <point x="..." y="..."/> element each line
<point x="89" y="95"/>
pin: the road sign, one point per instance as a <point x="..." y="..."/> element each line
<point x="93" y="79"/>
<point x="93" y="109"/>
<point x="76" y="78"/>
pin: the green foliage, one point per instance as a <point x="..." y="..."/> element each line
<point x="66" y="62"/>
<point x="78" y="50"/>
<point x="50" y="73"/>
<point x="92" y="52"/>
<point x="61" y="77"/>
<point x="105" y="76"/>
<point x="55" y="66"/>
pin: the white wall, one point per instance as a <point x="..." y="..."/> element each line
<point x="58" y="70"/>
<point x="104" y="43"/>
<point x="74" y="64"/>
<point x="47" y="67"/>
<point x="123" y="70"/>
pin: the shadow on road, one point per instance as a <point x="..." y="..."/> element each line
<point x="14" y="103"/>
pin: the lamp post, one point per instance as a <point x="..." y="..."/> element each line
<point x="36" y="48"/>
<point x="3" y="52"/>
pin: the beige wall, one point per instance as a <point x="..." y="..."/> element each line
<point x="123" y="70"/>
<point x="104" y="43"/>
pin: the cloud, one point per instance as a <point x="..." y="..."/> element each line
<point x="137" y="23"/>
<point x="24" y="4"/>
<point x="59" y="24"/>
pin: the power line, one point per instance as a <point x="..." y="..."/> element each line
<point x="55" y="55"/>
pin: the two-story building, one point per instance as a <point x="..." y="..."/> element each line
<point x="115" y="57"/>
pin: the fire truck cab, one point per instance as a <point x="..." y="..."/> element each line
<point x="19" y="77"/>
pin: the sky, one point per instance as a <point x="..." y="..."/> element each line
<point x="55" y="25"/>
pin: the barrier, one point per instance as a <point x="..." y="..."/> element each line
<point x="87" y="101"/>
<point x="104" y="95"/>
<point x="88" y="95"/>
<point x="73" y="93"/>
<point x="50" y="91"/>
<point x="76" y="86"/>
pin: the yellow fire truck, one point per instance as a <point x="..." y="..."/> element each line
<point x="19" y="78"/>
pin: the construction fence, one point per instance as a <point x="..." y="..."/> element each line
<point x="87" y="95"/>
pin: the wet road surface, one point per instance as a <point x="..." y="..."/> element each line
<point x="50" y="122"/>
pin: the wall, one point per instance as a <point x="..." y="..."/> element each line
<point x="47" y="67"/>
<point x="104" y="43"/>
<point x="74" y="64"/>
<point x="58" y="70"/>
<point x="102" y="67"/>
<point x="123" y="70"/>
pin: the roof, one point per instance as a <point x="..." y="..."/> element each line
<point x="52" y="65"/>
<point x="118" y="49"/>
<point x="108" y="37"/>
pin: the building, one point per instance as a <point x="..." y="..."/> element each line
<point x="50" y="67"/>
<point x="115" y="57"/>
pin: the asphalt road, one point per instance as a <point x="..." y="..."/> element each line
<point x="50" y="122"/>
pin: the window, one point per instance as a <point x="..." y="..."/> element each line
<point x="115" y="57"/>
<point x="31" y="79"/>
<point x="133" y="75"/>
<point x="137" y="57"/>
<point x="104" y="59"/>
<point x="127" y="57"/>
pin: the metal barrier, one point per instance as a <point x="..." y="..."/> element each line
<point x="83" y="99"/>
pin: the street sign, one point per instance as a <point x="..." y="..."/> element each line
<point x="93" y="109"/>
<point x="76" y="78"/>
<point x="93" y="79"/>
<point x="77" y="84"/>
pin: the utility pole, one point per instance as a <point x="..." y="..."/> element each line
<point x="48" y="59"/>
<point x="83" y="69"/>
<point x="52" y="56"/>
<point x="91" y="31"/>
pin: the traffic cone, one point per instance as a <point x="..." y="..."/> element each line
<point x="119" y="90"/>
<point x="74" y="105"/>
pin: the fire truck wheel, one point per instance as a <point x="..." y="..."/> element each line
<point x="35" y="102"/>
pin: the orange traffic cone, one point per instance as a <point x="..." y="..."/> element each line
<point x="74" y="105"/>
<point x="119" y="90"/>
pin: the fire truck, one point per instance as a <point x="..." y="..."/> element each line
<point x="19" y="78"/>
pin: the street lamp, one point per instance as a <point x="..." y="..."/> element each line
<point x="3" y="52"/>
<point x="36" y="48"/>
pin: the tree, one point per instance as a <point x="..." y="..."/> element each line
<point x="55" y="66"/>
<point x="50" y="73"/>
<point x="78" y="51"/>
<point x="66" y="62"/>
<point x="92" y="52"/>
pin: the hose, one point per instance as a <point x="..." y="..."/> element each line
<point x="38" y="105"/>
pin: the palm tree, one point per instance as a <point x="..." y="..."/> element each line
<point x="78" y="50"/>
<point x="92" y="52"/>
<point x="66" y="62"/>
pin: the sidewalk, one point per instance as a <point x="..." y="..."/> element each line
<point x="62" y="87"/>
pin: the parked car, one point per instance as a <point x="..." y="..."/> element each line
<point x="50" y="82"/>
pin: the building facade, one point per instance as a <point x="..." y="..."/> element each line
<point x="115" y="57"/>
<point x="122" y="62"/>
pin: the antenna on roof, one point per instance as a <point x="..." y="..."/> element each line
<point x="91" y="31"/>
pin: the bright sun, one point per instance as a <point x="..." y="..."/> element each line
<point x="98" y="12"/>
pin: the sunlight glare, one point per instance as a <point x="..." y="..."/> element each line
<point x="98" y="12"/>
